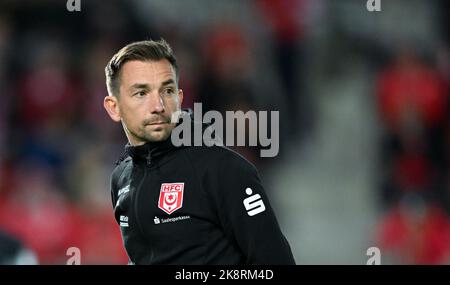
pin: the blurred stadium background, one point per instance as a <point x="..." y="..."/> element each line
<point x="363" y="99"/>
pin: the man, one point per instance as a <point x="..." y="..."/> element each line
<point x="181" y="205"/>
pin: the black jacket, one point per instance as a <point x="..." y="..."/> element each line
<point x="194" y="205"/>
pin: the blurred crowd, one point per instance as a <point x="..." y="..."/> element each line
<point x="58" y="147"/>
<point x="413" y="105"/>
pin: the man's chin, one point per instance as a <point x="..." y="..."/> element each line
<point x="157" y="136"/>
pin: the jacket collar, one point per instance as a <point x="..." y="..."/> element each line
<point x="150" y="150"/>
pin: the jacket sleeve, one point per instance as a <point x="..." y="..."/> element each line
<point x="245" y="213"/>
<point x="113" y="188"/>
<point x="116" y="179"/>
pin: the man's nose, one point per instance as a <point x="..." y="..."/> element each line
<point x="156" y="103"/>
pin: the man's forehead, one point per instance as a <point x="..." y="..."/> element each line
<point x="152" y="72"/>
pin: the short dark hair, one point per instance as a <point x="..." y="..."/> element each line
<point x="143" y="51"/>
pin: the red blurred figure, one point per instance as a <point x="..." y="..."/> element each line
<point x="47" y="92"/>
<point x="412" y="101"/>
<point x="415" y="232"/>
<point x="413" y="172"/>
<point x="410" y="91"/>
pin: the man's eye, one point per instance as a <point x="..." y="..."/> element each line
<point x="140" y="93"/>
<point x="169" y="91"/>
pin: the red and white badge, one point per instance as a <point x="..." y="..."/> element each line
<point x="171" y="197"/>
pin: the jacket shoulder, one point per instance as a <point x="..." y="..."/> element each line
<point x="118" y="174"/>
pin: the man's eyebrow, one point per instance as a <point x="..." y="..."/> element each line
<point x="139" y="86"/>
<point x="168" y="82"/>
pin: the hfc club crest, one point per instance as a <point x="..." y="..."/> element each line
<point x="171" y="197"/>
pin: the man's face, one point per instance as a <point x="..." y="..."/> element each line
<point x="149" y="95"/>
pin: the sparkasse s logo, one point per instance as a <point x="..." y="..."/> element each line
<point x="253" y="204"/>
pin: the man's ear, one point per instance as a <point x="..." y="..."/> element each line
<point x="180" y="98"/>
<point x="111" y="105"/>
